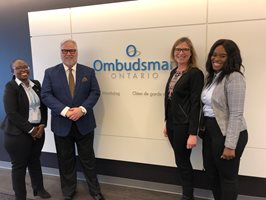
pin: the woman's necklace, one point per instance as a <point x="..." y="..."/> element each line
<point x="179" y="71"/>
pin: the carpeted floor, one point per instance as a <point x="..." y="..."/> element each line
<point x="8" y="197"/>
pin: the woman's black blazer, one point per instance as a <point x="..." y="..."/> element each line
<point x="16" y="106"/>
<point x="185" y="101"/>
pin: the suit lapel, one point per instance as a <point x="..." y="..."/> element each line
<point x="78" y="79"/>
<point x="36" y="89"/>
<point x="23" y="98"/>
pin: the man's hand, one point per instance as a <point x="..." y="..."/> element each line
<point x="74" y="113"/>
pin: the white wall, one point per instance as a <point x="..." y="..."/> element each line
<point x="130" y="126"/>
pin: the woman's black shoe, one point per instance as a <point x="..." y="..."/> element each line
<point x="41" y="193"/>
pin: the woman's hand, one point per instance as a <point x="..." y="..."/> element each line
<point x="34" y="132"/>
<point x="40" y="131"/>
<point x="191" y="141"/>
<point x="228" y="153"/>
<point x="165" y="132"/>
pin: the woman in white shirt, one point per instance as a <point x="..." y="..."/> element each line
<point x="26" y="117"/>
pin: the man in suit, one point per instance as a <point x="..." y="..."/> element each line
<point x="71" y="90"/>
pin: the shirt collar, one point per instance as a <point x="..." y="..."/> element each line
<point x="73" y="68"/>
<point x="19" y="82"/>
<point x="217" y="74"/>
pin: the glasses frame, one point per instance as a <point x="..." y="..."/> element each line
<point x="66" y="51"/>
<point x="185" y="50"/>
<point x="21" y="68"/>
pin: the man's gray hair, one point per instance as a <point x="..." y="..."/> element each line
<point x="68" y="40"/>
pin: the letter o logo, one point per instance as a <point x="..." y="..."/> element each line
<point x="131" y="50"/>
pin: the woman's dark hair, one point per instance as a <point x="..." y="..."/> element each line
<point x="233" y="63"/>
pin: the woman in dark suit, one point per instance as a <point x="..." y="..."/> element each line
<point x="23" y="126"/>
<point x="182" y="109"/>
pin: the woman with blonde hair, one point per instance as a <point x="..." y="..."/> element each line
<point x="182" y="109"/>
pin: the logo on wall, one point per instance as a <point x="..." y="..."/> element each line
<point x="132" y="51"/>
<point x="135" y="67"/>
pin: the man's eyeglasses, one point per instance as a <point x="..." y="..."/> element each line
<point x="71" y="51"/>
<point x="182" y="49"/>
